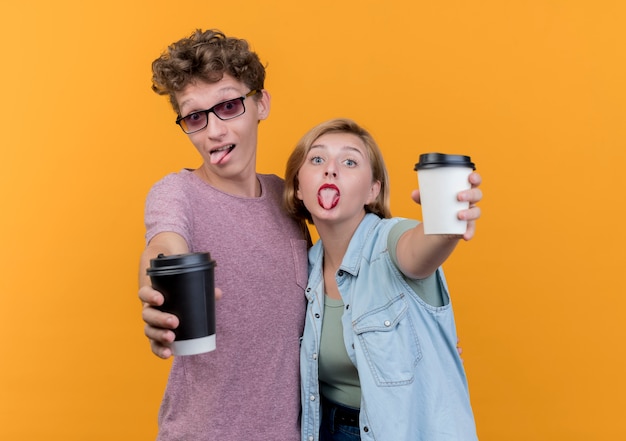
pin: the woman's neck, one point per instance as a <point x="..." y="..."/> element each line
<point x="336" y="237"/>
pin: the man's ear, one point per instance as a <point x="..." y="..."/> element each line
<point x="263" y="104"/>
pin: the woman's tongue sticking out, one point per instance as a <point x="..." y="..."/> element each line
<point x="328" y="196"/>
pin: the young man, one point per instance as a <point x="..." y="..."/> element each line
<point x="248" y="388"/>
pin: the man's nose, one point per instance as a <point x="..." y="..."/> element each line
<point x="216" y="128"/>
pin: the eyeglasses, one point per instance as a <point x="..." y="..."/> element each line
<point x="196" y="121"/>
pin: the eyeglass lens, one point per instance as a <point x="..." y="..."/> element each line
<point x="226" y="110"/>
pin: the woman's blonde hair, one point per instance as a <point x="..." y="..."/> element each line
<point x="295" y="207"/>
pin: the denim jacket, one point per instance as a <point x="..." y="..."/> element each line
<point x="413" y="385"/>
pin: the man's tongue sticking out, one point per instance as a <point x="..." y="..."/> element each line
<point x="328" y="197"/>
<point x="218" y="155"/>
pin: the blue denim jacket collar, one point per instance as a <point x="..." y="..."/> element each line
<point x="352" y="259"/>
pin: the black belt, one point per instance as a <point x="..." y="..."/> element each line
<point x="339" y="415"/>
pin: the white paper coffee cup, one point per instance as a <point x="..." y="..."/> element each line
<point x="441" y="177"/>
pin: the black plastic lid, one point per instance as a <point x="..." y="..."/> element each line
<point x="436" y="160"/>
<point x="179" y="261"/>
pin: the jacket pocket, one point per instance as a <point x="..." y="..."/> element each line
<point x="389" y="342"/>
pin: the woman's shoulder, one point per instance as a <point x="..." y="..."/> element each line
<point x="376" y="232"/>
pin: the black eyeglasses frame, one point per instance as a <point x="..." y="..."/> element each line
<point x="212" y="110"/>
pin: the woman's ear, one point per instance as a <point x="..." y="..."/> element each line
<point x="374" y="191"/>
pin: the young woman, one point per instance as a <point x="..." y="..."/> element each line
<point x="378" y="357"/>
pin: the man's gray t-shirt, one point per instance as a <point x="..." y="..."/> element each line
<point x="248" y="387"/>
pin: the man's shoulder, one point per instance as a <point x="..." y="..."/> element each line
<point x="271" y="178"/>
<point x="272" y="183"/>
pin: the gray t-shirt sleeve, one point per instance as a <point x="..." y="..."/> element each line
<point x="168" y="208"/>
<point x="428" y="289"/>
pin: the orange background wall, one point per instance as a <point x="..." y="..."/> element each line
<point x="532" y="90"/>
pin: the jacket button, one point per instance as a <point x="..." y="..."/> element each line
<point x="366" y="429"/>
<point x="387" y="323"/>
<point x="317" y="315"/>
<point x="340" y="273"/>
<point x="312" y="398"/>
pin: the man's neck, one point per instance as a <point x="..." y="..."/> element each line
<point x="243" y="186"/>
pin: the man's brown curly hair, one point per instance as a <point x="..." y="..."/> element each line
<point x="205" y="56"/>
